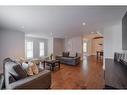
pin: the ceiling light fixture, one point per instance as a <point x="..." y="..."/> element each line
<point x="83" y="23"/>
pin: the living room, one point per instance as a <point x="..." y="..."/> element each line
<point x="52" y="38"/>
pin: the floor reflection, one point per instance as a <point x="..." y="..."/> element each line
<point x="87" y="75"/>
<point x="85" y="65"/>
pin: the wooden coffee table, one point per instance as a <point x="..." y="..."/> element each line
<point x="53" y="63"/>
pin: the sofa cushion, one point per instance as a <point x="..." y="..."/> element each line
<point x="20" y="72"/>
<point x="27" y="68"/>
<point x="29" y="71"/>
<point x="35" y="69"/>
<point x="72" y="55"/>
<point x="65" y="54"/>
<point x="25" y="65"/>
<point x="11" y="78"/>
<point x="31" y="68"/>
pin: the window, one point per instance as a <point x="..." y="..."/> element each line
<point x="29" y="49"/>
<point x="41" y="48"/>
<point x="85" y="47"/>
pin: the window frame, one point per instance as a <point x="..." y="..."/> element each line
<point x="26" y="49"/>
<point x="41" y="49"/>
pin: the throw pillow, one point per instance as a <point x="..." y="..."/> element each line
<point x="29" y="71"/>
<point x="25" y="66"/>
<point x="35" y="69"/>
<point x="20" y="72"/>
<point x="65" y="54"/>
<point x="32" y="69"/>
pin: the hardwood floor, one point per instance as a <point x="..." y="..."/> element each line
<point x="87" y="75"/>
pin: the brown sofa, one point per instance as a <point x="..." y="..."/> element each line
<point x="39" y="81"/>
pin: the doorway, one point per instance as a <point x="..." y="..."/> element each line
<point x="84" y="48"/>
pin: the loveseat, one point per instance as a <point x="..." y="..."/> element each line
<point x="39" y="81"/>
<point x="69" y="60"/>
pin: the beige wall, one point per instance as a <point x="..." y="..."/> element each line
<point x="12" y="44"/>
<point x="58" y="46"/>
<point x="93" y="44"/>
<point x="112" y="39"/>
<point x="74" y="45"/>
<point x="96" y="46"/>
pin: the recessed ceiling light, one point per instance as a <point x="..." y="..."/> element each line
<point x="83" y="23"/>
<point x="22" y="27"/>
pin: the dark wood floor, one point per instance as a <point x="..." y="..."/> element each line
<point x="87" y="75"/>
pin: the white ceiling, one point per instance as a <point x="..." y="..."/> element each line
<point x="63" y="21"/>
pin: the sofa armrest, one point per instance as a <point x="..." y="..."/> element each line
<point x="1" y="81"/>
<point x="58" y="57"/>
<point x="39" y="81"/>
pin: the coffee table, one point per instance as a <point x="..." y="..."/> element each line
<point x="53" y="63"/>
